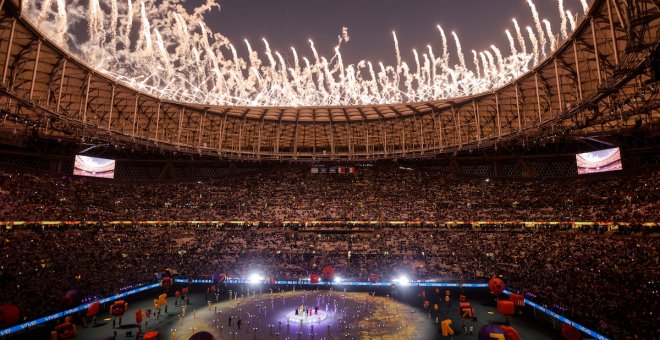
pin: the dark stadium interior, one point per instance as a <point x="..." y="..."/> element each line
<point x="406" y="210"/>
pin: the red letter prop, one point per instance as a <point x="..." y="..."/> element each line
<point x="465" y="311"/>
<point x="219" y="277"/>
<point x="138" y="316"/>
<point x="118" y="308"/>
<point x="505" y="307"/>
<point x="166" y="282"/>
<point x="151" y="336"/>
<point x="64" y="331"/>
<point x="517" y="299"/>
<point x="570" y="333"/>
<point x="510" y="333"/>
<point x="93" y="309"/>
<point x="493" y="331"/>
<point x="445" y="326"/>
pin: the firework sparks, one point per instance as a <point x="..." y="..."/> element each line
<point x="159" y="47"/>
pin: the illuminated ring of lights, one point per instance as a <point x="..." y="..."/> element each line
<point x="307" y="319"/>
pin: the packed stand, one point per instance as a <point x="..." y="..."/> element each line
<point x="373" y="194"/>
<point x="592" y="276"/>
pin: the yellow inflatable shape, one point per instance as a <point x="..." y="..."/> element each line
<point x="162" y="298"/>
<point x="445" y="326"/>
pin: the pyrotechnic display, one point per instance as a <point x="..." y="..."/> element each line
<point x="163" y="49"/>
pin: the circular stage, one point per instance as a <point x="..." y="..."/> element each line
<point x="306" y="318"/>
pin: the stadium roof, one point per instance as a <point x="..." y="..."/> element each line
<point x="598" y="80"/>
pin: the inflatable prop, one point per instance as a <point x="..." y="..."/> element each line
<point x="445" y="327"/>
<point x="517" y="299"/>
<point x="505" y="307"/>
<point x="496" y="285"/>
<point x="166" y="282"/>
<point x="93" y="309"/>
<point x="570" y="333"/>
<point x="118" y="308"/>
<point x="9" y="316"/>
<point x="162" y="299"/>
<point x="493" y="331"/>
<point x="327" y="273"/>
<point x="64" y="331"/>
<point x="151" y="336"/>
<point x="219" y="277"/>
<point x="202" y="336"/>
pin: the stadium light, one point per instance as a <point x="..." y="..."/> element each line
<point x="255" y="278"/>
<point x="403" y="280"/>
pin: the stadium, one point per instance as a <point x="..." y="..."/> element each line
<point x="161" y="180"/>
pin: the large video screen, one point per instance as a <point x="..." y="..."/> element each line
<point x="599" y="161"/>
<point x="94" y="167"/>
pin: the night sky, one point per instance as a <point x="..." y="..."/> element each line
<point x="286" y="23"/>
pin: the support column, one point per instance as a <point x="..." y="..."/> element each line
<point x="261" y="128"/>
<point x="157" y="120"/>
<point x="87" y="85"/>
<point x="475" y="108"/>
<point x="366" y="132"/>
<point x="112" y="105"/>
<point x="295" y="140"/>
<point x="497" y="112"/>
<point x="577" y="68"/>
<point x="8" y="53"/>
<point x="538" y="97"/>
<point x="240" y="136"/>
<point x="457" y="126"/>
<point x="178" y="134"/>
<point x="615" y="46"/>
<point x="561" y="102"/>
<point x="348" y="138"/>
<point x="332" y="140"/>
<point x="383" y="131"/>
<point x="518" y="108"/>
<point x="135" y="111"/>
<point x="201" y="130"/>
<point x="34" y="72"/>
<point x="223" y="126"/>
<point x="277" y="140"/>
<point x="421" y="133"/>
<point x="403" y="138"/>
<point x="59" y="93"/>
<point x="442" y="140"/>
<point x="593" y="35"/>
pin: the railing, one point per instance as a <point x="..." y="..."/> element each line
<point x="27" y="325"/>
<point x="610" y="225"/>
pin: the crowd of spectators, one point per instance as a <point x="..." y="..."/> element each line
<point x="604" y="280"/>
<point x="593" y="276"/>
<point x="295" y="194"/>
